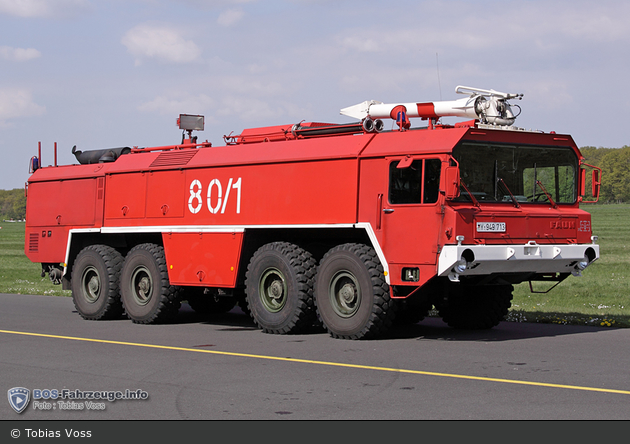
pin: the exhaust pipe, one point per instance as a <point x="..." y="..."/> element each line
<point x="99" y="156"/>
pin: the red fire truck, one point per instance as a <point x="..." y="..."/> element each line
<point x="349" y="226"/>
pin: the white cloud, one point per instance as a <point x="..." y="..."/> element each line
<point x="242" y="110"/>
<point x="41" y="8"/>
<point x="253" y="86"/>
<point x="360" y="43"/>
<point x="177" y="104"/>
<point x="232" y="106"/>
<point x="515" y="27"/>
<point x="18" y="102"/>
<point x="213" y="4"/>
<point x="230" y="17"/>
<point x="160" y="42"/>
<point x="18" y="54"/>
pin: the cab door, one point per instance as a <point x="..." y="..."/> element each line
<point x="408" y="213"/>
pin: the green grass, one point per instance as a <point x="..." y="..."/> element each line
<point x="18" y="275"/>
<point x="601" y="297"/>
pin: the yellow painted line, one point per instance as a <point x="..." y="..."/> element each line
<point x="330" y="364"/>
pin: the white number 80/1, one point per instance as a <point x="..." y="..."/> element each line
<point x="195" y="201"/>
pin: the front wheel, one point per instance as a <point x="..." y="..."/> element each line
<point x="351" y="295"/>
<point x="146" y="293"/>
<point x="476" y="307"/>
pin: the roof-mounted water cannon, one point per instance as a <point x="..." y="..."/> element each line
<point x="492" y="106"/>
<point x="489" y="106"/>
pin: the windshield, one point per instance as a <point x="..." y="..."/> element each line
<point x="517" y="174"/>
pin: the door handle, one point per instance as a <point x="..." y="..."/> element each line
<point x="388" y="210"/>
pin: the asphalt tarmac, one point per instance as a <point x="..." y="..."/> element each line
<point x="222" y="367"/>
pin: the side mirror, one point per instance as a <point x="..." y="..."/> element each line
<point x="596" y="182"/>
<point x="451" y="182"/>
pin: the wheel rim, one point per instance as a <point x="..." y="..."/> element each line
<point x="345" y="294"/>
<point x="141" y="285"/>
<point x="273" y="290"/>
<point x="91" y="284"/>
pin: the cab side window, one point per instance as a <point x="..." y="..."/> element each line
<point x="405" y="184"/>
<point x="417" y="183"/>
<point x="432" y="168"/>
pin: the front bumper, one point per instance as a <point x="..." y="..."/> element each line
<point x="457" y="261"/>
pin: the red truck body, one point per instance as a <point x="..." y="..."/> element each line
<point x="316" y="223"/>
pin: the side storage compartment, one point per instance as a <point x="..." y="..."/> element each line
<point x="203" y="259"/>
<point x="52" y="208"/>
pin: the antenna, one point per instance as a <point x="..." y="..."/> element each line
<point x="437" y="64"/>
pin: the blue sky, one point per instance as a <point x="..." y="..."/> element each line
<point x="101" y="74"/>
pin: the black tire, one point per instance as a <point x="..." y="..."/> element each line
<point x="411" y="311"/>
<point x="476" y="308"/>
<point x="279" y="285"/>
<point x="241" y="301"/>
<point x="208" y="302"/>
<point x="351" y="295"/>
<point x="95" y="276"/>
<point x="147" y="296"/>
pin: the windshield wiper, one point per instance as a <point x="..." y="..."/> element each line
<point x="472" y="197"/>
<point x="516" y="204"/>
<point x="542" y="187"/>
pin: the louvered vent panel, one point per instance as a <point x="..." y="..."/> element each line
<point x="174" y="158"/>
<point x="33" y="242"/>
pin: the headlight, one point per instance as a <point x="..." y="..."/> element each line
<point x="460" y="267"/>
<point x="582" y="264"/>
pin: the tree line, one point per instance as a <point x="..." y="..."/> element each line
<point x="615" y="165"/>
<point x="614" y="162"/>
<point x="12" y="204"/>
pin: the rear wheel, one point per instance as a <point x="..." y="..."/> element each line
<point x="351" y="295"/>
<point x="95" y="276"/>
<point x="146" y="293"/>
<point x="279" y="284"/>
<point x="476" y="307"/>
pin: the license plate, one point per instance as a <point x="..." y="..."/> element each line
<point x="490" y="227"/>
